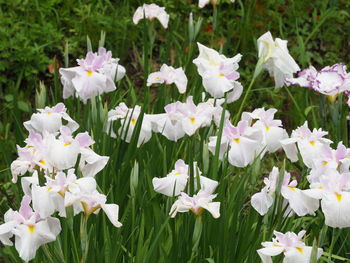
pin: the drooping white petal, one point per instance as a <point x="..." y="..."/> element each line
<point x="300" y="203"/>
<point x="91" y="163"/>
<point x="336" y="209"/>
<point x="223" y="147"/>
<point x="62" y="155"/>
<point x="46" y="202"/>
<point x="290" y="148"/>
<point x="261" y="202"/>
<point x="266" y="253"/>
<point x="171" y="185"/>
<point x="112" y="211"/>
<point x="301" y="255"/>
<point x="274" y="135"/>
<point x="6" y="232"/>
<point x="242" y="152"/>
<point x="208" y="185"/>
<point x="213" y="208"/>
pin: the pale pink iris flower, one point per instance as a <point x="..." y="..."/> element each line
<point x="95" y="75"/>
<point x="30" y="230"/>
<point x="275" y="58"/>
<point x="291" y="245"/>
<point x="50" y="120"/>
<point x="242" y="142"/>
<point x="297" y="200"/>
<point x="309" y="143"/>
<point x="330" y="81"/>
<point x="85" y="198"/>
<point x="219" y="74"/>
<point x="333" y="189"/>
<point x="151" y="11"/>
<point x="128" y="119"/>
<point x="197" y="204"/>
<point x="169" y="75"/>
<point x="176" y="181"/>
<point x="271" y="128"/>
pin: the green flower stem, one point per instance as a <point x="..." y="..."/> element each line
<point x="218" y="142"/>
<point x="257" y="71"/>
<point x="197" y="233"/>
<point x="84" y="238"/>
<point x="335" y="235"/>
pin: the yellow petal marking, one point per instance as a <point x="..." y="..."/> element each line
<point x="88" y="211"/>
<point x="133" y="122"/>
<point x="299" y="249"/>
<point x="292" y="188"/>
<point x="339" y="197"/>
<point x="332" y="98"/>
<point x="192" y="120"/>
<point x="236" y="140"/>
<point x="270" y="48"/>
<point x="267" y="128"/>
<point x="89" y="73"/>
<point x="42" y="162"/>
<point x="312" y="143"/>
<point x="31" y="228"/>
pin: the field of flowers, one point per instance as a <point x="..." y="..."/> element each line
<point x="175" y="131"/>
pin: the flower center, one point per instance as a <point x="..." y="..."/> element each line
<point x="197" y="211"/>
<point x="88" y="211"/>
<point x="332" y="98"/>
<point x="31" y="228"/>
<point x="339" y="197"/>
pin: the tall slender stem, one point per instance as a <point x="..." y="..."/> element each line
<point x="218" y="141"/>
<point x="244" y="101"/>
<point x="257" y="71"/>
<point x="84" y="237"/>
